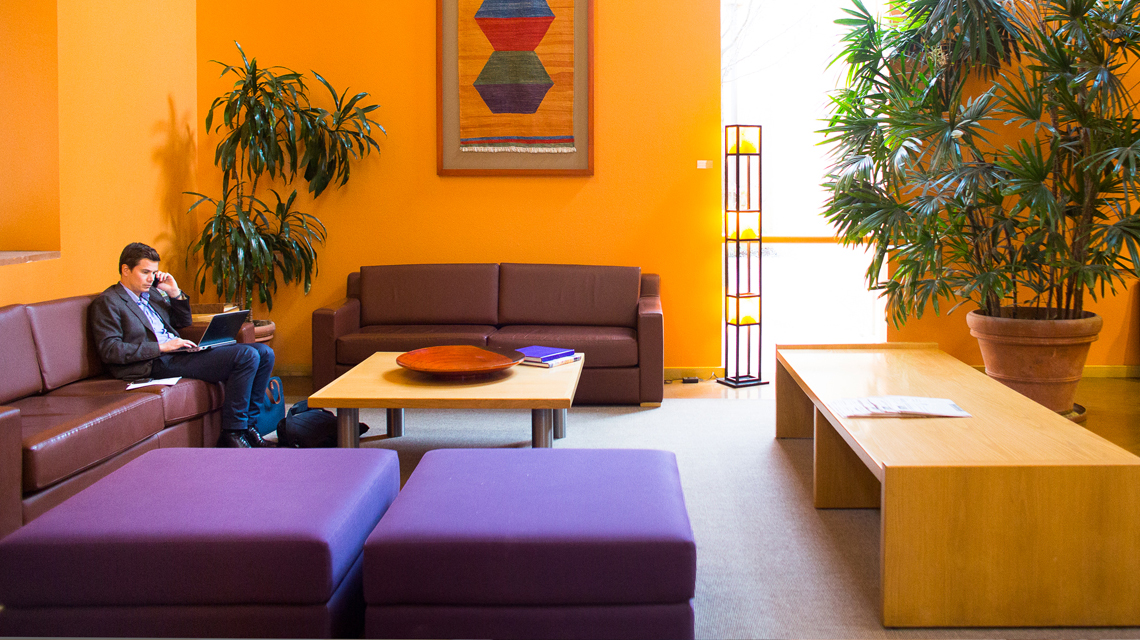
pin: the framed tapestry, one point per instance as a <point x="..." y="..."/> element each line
<point x="514" y="87"/>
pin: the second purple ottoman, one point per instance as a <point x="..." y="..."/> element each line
<point x="534" y="543"/>
<point x="203" y="542"/>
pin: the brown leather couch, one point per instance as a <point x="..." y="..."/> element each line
<point x="64" y="423"/>
<point x="611" y="314"/>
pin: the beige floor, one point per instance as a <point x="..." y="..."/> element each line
<point x="1113" y="404"/>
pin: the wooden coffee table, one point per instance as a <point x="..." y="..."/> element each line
<point x="380" y="383"/>
<point x="1012" y="517"/>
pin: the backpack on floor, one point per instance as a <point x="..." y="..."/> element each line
<point x="305" y="428"/>
<point x="272" y="406"/>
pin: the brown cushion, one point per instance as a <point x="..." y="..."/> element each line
<point x="187" y="399"/>
<point x="429" y="294"/>
<point x="355" y="348"/>
<point x="63" y="342"/>
<point x="603" y="346"/>
<point x="63" y="435"/>
<point x="566" y="294"/>
<point x="19" y="366"/>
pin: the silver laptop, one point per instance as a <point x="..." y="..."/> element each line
<point x="224" y="329"/>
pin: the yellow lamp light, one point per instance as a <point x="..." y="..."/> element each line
<point x="746" y="146"/>
<point x="749" y="225"/>
<point x="742" y="310"/>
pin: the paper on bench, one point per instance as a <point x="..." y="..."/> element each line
<point x="148" y="382"/>
<point x="897" y="407"/>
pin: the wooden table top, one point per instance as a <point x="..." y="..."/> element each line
<point x="1006" y="428"/>
<point x="380" y="383"/>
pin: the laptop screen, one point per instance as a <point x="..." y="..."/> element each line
<point x="224" y="327"/>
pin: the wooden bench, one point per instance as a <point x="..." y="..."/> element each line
<point x="1013" y="517"/>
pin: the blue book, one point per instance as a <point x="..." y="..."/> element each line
<point x="544" y="354"/>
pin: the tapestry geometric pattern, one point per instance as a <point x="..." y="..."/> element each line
<point x="513" y="111"/>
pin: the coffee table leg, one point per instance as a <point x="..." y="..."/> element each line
<point x="348" y="428"/>
<point x="559" y="424"/>
<point x="541" y="422"/>
<point x="395" y="423"/>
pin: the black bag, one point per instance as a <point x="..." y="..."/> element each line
<point x="306" y="428"/>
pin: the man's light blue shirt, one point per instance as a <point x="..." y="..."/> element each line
<point x="156" y="323"/>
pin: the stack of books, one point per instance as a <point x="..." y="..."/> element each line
<point x="537" y="356"/>
<point x="204" y="312"/>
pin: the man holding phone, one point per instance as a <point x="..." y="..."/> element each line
<point x="135" y="323"/>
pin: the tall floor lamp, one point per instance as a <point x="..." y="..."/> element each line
<point x="742" y="247"/>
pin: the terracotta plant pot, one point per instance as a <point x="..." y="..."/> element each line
<point x="264" y="330"/>
<point x="1041" y="359"/>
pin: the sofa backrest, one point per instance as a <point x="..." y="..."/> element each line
<point x="19" y="367"/>
<point x="63" y="339"/>
<point x="568" y="294"/>
<point x="429" y="294"/>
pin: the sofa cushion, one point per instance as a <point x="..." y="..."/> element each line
<point x="63" y="342"/>
<point x="63" y="435"/>
<point x="429" y="294"/>
<point x="535" y="527"/>
<point x="357" y="347"/>
<point x="567" y="294"/>
<point x="19" y="366"/>
<point x="188" y="398"/>
<point x="169" y="529"/>
<point x="603" y="346"/>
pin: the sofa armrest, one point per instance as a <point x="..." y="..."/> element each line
<point x="11" y="471"/>
<point x="330" y="323"/>
<point x="651" y="345"/>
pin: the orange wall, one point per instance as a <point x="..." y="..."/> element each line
<point x="657" y="111"/>
<point x="29" y="128"/>
<point x="1119" y="342"/>
<point x="127" y="83"/>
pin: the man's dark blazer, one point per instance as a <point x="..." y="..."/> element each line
<point x="123" y="336"/>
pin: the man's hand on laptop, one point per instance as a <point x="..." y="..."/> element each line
<point x="177" y="344"/>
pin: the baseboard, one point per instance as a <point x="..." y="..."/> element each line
<point x="293" y="370"/>
<point x="1099" y="370"/>
<point x="1112" y="371"/>
<point x="704" y="373"/>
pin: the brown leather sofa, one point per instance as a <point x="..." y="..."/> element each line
<point x="64" y="423"/>
<point x="611" y="314"/>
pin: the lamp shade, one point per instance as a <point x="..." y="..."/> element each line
<point x="742" y="225"/>
<point x="742" y="310"/>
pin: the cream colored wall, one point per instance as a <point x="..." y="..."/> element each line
<point x="127" y="89"/>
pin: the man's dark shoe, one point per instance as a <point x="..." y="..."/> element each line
<point x="253" y="437"/>
<point x="233" y="440"/>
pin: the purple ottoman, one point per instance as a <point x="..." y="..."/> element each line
<point x="534" y="543"/>
<point x="203" y="543"/>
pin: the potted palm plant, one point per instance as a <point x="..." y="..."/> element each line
<point x="987" y="151"/>
<point x="271" y="133"/>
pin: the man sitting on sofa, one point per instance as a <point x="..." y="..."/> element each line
<point x="136" y="333"/>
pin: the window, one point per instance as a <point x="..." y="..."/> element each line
<point x="774" y="59"/>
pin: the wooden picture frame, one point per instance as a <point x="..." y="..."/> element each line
<point x="451" y="161"/>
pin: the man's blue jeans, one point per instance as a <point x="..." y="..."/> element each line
<point x="244" y="368"/>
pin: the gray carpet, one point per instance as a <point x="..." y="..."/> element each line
<point x="769" y="565"/>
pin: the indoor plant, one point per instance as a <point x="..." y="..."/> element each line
<point x="987" y="150"/>
<point x="270" y="126"/>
